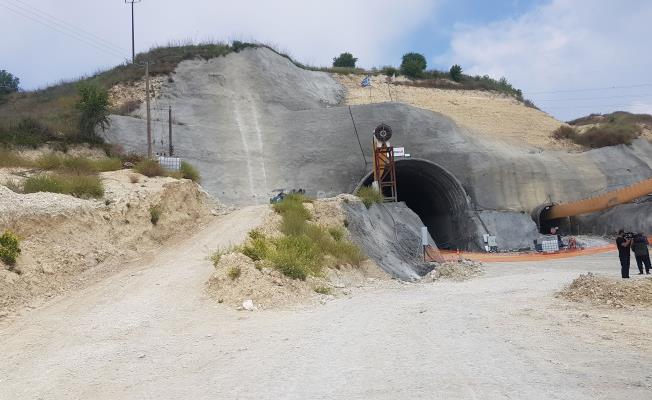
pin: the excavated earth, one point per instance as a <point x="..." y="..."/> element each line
<point x="254" y="122"/>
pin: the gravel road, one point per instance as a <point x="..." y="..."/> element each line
<point x="150" y="332"/>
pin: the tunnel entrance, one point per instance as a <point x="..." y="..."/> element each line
<point x="437" y="197"/>
<point x="540" y="217"/>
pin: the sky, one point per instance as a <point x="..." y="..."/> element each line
<point x="571" y="57"/>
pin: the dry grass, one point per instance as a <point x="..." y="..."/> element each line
<point x="369" y="196"/>
<point x="82" y="186"/>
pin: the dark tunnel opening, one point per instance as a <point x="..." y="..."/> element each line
<point x="437" y="197"/>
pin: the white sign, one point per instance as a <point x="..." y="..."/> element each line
<point x="424" y="236"/>
<point x="399" y="151"/>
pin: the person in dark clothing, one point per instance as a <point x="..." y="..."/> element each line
<point x="641" y="252"/>
<point x="624" y="246"/>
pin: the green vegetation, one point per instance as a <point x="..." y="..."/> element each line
<point x="150" y="168"/>
<point x="601" y="135"/>
<point x="83" y="186"/>
<point x="189" y="172"/>
<point x="617" y="118"/>
<point x="155" y="214"/>
<point x="234" y="273"/>
<point x="8" y="83"/>
<point x="305" y="248"/>
<point x="413" y="65"/>
<point x="217" y="255"/>
<point x="323" y="290"/>
<point x="345" y="60"/>
<point x="455" y="73"/>
<point x="93" y="106"/>
<point x="369" y="196"/>
<point x="9" y="248"/>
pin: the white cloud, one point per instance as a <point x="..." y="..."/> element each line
<point x="565" y="44"/>
<point x="312" y="31"/>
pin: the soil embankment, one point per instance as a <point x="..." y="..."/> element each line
<point x="68" y="241"/>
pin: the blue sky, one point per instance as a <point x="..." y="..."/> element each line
<point x="597" y="50"/>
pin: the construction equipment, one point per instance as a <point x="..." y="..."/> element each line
<point x="384" y="165"/>
<point x="598" y="203"/>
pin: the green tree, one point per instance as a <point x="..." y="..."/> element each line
<point x="345" y="60"/>
<point x="94" y="108"/>
<point x="8" y="83"/>
<point x="456" y="73"/>
<point x="413" y="65"/>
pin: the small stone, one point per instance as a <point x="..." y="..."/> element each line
<point x="141" y="355"/>
<point x="248" y="305"/>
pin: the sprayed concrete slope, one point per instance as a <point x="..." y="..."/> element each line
<point x="253" y="122"/>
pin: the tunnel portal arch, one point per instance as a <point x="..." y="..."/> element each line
<point x="437" y="197"/>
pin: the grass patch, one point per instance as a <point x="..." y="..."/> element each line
<point x="14" y="186"/>
<point x="189" y="172"/>
<point x="155" y="214"/>
<point x="323" y="290"/>
<point x="369" y="196"/>
<point x="305" y="247"/>
<point x="602" y="135"/>
<point x="11" y="159"/>
<point x="150" y="168"/>
<point x="9" y="247"/>
<point x="82" y="186"/>
<point x="234" y="273"/>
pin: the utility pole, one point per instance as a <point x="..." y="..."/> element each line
<point x="170" y="131"/>
<point x="133" y="42"/>
<point x="149" y="118"/>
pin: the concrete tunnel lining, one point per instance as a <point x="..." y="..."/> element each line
<point x="436" y="196"/>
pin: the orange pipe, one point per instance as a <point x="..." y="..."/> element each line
<point x="600" y="202"/>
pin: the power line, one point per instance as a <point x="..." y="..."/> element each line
<point x="597" y="98"/>
<point x="594" y="106"/>
<point x="69" y="32"/>
<point x="30" y="8"/>
<point x="592" y="89"/>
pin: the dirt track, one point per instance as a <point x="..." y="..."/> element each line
<point x="151" y="332"/>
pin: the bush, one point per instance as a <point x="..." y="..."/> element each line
<point x="413" y="65"/>
<point x="234" y="273"/>
<point x="82" y="186"/>
<point x="107" y="164"/>
<point x="49" y="161"/>
<point x="336" y="233"/>
<point x="8" y="83"/>
<point x="369" y="196"/>
<point x="257" y="248"/>
<point x="189" y="172"/>
<point x="150" y="168"/>
<point x="296" y="257"/>
<point x="345" y="60"/>
<point x="155" y="214"/>
<point x="9" y="248"/>
<point x="608" y="135"/>
<point x="389" y="71"/>
<point x="456" y="73"/>
<point x="9" y="159"/>
<point x="13" y="186"/>
<point x="28" y="132"/>
<point x="94" y="108"/>
<point x="564" y="132"/>
<point x="323" y="290"/>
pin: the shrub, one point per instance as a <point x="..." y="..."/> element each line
<point x="189" y="172"/>
<point x="455" y="73"/>
<point x="296" y="257"/>
<point x="9" y="247"/>
<point x="608" y="135"/>
<point x="150" y="168"/>
<point x="345" y="60"/>
<point x="293" y="203"/>
<point x="323" y="290"/>
<point x="155" y="214"/>
<point x="108" y="164"/>
<point x="78" y="166"/>
<point x="8" y="83"/>
<point x="82" y="186"/>
<point x="257" y="248"/>
<point x="564" y="132"/>
<point x="369" y="196"/>
<point x="94" y="108"/>
<point x="10" y="159"/>
<point x="413" y="65"/>
<point x="13" y="186"/>
<point x="336" y="233"/>
<point x="217" y="255"/>
<point x="49" y="161"/>
<point x="389" y="71"/>
<point x="234" y="273"/>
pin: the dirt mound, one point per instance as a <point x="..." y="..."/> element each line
<point x="455" y="271"/>
<point x="612" y="292"/>
<point x="66" y="241"/>
<point x="490" y="114"/>
<point x="238" y="279"/>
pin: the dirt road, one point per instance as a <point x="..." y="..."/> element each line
<point x="150" y="332"/>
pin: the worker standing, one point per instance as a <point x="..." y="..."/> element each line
<point x="624" y="245"/>
<point x="641" y="252"/>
